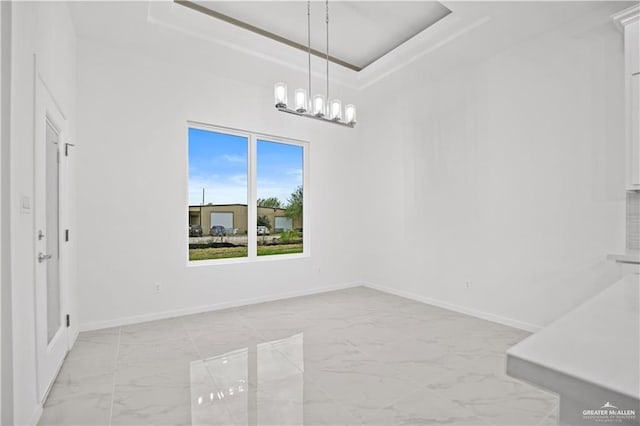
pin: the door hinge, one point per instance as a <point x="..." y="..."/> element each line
<point x="68" y="321"/>
<point x="66" y="148"/>
<point x="66" y="235"/>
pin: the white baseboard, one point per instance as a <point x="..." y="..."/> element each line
<point x="72" y="337"/>
<point x="458" y="308"/>
<point x="97" y="325"/>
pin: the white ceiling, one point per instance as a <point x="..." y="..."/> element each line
<point x="185" y="37"/>
<point x="360" y="32"/>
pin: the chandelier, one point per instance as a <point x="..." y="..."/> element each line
<point x="319" y="107"/>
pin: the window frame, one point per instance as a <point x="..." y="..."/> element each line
<point x="252" y="200"/>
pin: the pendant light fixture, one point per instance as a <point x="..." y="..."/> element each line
<point x="318" y="107"/>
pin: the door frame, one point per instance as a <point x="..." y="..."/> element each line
<point x="48" y="110"/>
<point x="2" y="201"/>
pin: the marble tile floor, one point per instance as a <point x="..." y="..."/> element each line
<point x="350" y="357"/>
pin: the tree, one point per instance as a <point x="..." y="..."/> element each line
<point x="294" y="204"/>
<point x="264" y="221"/>
<point x="272" y="202"/>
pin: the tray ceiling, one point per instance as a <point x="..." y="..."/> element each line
<point x="360" y="32"/>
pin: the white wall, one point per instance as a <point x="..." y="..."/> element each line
<point x="44" y="29"/>
<point x="132" y="171"/>
<point x="508" y="172"/>
<point x="505" y="171"/>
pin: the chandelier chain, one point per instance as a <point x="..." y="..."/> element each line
<point x="309" y="41"/>
<point x="327" y="21"/>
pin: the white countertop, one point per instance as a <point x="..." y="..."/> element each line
<point x="631" y="256"/>
<point x="598" y="342"/>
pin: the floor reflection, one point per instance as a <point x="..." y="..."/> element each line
<point x="261" y="384"/>
<point x="369" y="358"/>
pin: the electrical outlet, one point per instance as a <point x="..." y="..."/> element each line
<point x="467" y="285"/>
<point x="157" y="287"/>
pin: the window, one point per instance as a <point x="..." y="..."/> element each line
<point x="280" y="189"/>
<point x="246" y="195"/>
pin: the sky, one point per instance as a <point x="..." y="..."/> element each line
<point x="218" y="163"/>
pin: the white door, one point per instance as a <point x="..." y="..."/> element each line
<point x="222" y="219"/>
<point x="51" y="329"/>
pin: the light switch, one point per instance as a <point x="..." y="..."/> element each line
<point x="25" y="205"/>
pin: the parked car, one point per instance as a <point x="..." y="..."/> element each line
<point x="218" y="231"/>
<point x="195" y="231"/>
<point x="263" y="230"/>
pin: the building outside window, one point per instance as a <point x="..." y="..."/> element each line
<point x="246" y="195"/>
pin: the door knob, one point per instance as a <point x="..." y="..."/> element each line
<point x="43" y="257"/>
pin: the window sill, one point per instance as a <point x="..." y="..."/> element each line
<point x="245" y="260"/>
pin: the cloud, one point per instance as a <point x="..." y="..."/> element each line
<point x="297" y="173"/>
<point x="233" y="158"/>
<point x="232" y="188"/>
<point x="240" y="179"/>
<point x="216" y="191"/>
<point x="281" y="192"/>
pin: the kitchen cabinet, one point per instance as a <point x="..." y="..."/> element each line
<point x="589" y="357"/>
<point x="629" y="21"/>
<point x="634" y="133"/>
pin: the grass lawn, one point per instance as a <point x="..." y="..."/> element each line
<point x="228" y="252"/>
<point x="217" y="253"/>
<point x="280" y="249"/>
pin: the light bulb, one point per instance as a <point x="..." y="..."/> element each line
<point x="336" y="110"/>
<point x="301" y="102"/>
<point x="350" y="114"/>
<point x="280" y="94"/>
<point x="318" y="106"/>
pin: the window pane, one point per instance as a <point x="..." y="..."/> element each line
<point x="217" y="195"/>
<point x="280" y="198"/>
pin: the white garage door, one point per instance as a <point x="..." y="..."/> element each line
<point x="222" y="219"/>
<point x="284" y="224"/>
